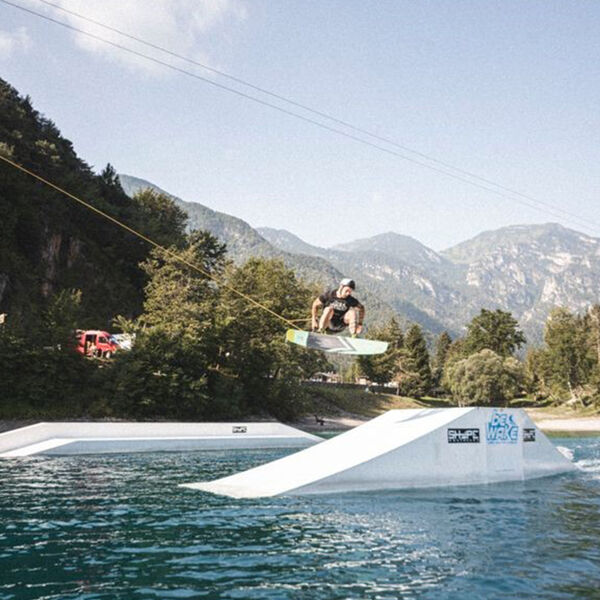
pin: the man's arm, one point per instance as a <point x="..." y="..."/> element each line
<point x="314" y="322"/>
<point x="361" y="317"/>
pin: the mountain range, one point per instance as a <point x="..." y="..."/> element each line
<point x="523" y="269"/>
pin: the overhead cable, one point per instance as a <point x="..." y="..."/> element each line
<point x="462" y="175"/>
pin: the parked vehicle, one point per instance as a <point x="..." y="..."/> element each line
<point x="93" y="342"/>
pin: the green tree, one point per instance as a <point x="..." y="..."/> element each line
<point x="48" y="243"/>
<point x="496" y="330"/>
<point x="538" y="373"/>
<point x="160" y="218"/>
<point x="567" y="359"/>
<point x="181" y="291"/>
<point x="252" y="347"/>
<point x="383" y="368"/>
<point x="42" y="375"/>
<point x="61" y="318"/>
<point x="592" y="325"/>
<point x="415" y="370"/>
<point x="169" y="370"/>
<point x="484" y="379"/>
<point x="442" y="349"/>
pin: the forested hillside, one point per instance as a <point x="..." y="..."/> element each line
<point x="50" y="243"/>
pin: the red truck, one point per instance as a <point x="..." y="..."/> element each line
<point x="93" y="342"/>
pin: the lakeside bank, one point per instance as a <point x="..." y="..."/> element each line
<point x="573" y="425"/>
<point x="314" y="424"/>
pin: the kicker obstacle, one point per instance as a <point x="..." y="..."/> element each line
<point x="408" y="449"/>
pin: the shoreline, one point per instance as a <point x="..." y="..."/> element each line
<point x="571" y="425"/>
<point x="545" y="424"/>
<point x="349" y="421"/>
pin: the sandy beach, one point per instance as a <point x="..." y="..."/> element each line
<point x="574" y="425"/>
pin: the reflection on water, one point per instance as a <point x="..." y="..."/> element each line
<point x="119" y="527"/>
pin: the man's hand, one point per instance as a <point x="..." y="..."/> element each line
<point x="316" y="305"/>
<point x="359" y="328"/>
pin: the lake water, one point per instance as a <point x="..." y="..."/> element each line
<point x="116" y="527"/>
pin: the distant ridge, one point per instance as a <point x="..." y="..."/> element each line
<point x="289" y="242"/>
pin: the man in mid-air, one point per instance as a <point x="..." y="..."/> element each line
<point x="340" y="310"/>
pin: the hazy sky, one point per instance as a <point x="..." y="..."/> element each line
<point x="506" y="90"/>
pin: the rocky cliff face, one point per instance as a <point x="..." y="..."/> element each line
<point x="530" y="269"/>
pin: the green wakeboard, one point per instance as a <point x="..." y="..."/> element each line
<point x="335" y="344"/>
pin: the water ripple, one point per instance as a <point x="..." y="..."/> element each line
<point x="118" y="527"/>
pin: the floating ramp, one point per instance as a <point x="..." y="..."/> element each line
<point x="408" y="449"/>
<point x="101" y="438"/>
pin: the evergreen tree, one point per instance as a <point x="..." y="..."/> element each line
<point x="383" y="368"/>
<point x="566" y="367"/>
<point x="496" y="330"/>
<point x="442" y="348"/>
<point x="253" y="351"/>
<point x="416" y="377"/>
<point x="61" y="319"/>
<point x="170" y="369"/>
<point x="538" y="372"/>
<point x="160" y="218"/>
<point x="592" y="324"/>
<point x="567" y="356"/>
<point x="109" y="178"/>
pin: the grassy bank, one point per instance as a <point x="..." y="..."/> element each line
<point x="320" y="401"/>
<point x="328" y="400"/>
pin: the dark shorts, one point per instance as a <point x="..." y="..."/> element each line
<point x="337" y="323"/>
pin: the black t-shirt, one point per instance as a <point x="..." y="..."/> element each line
<point x="340" y="305"/>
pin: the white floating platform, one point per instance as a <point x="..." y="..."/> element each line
<point x="408" y="449"/>
<point x="100" y="438"/>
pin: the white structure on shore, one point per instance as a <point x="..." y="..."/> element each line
<point x="101" y="438"/>
<point x="408" y="449"/>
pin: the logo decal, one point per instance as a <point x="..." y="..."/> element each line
<point x="331" y="343"/>
<point x="502" y="429"/>
<point x="529" y="435"/>
<point x="463" y="436"/>
<point x="239" y="429"/>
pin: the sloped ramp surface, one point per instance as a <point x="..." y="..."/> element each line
<point x="408" y="449"/>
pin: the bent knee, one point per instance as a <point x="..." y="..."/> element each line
<point x="350" y="316"/>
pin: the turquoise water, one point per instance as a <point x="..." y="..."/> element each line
<point x="116" y="527"/>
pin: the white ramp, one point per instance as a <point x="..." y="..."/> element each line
<point x="100" y="438"/>
<point x="408" y="449"/>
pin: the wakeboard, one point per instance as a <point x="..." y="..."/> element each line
<point x="335" y="344"/>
